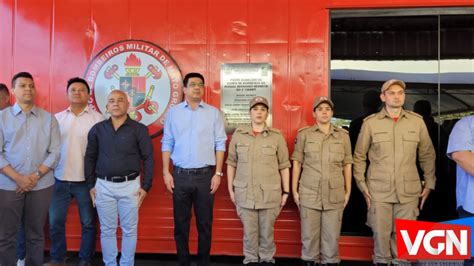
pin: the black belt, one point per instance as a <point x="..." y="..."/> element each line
<point x="120" y="178"/>
<point x="193" y="171"/>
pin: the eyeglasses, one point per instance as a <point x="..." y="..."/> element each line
<point x="192" y="84"/>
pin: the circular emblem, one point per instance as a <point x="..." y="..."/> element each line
<point x="148" y="74"/>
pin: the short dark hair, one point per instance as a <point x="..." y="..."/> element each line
<point x="78" y="80"/>
<point x="20" y="75"/>
<point x="4" y="88"/>
<point x="192" y="75"/>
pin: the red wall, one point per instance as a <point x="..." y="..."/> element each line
<point x="55" y="40"/>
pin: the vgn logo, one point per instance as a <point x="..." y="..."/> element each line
<point x="432" y="241"/>
<point x="143" y="70"/>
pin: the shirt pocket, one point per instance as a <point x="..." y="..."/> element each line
<point x="309" y="194"/>
<point x="379" y="183"/>
<point x="382" y="144"/>
<point x="336" y="150"/>
<point x="412" y="184"/>
<point x="242" y="152"/>
<point x="240" y="191"/>
<point x="410" y="142"/>
<point x="336" y="189"/>
<point x="269" y="154"/>
<point x="312" y="150"/>
<point x="271" y="193"/>
<point x="126" y="145"/>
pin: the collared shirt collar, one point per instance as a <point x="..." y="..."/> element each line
<point x="384" y="113"/>
<point x="201" y="104"/>
<point x="127" y="121"/>
<point x="86" y="110"/>
<point x="315" y="128"/>
<point x="17" y="110"/>
<point x="249" y="130"/>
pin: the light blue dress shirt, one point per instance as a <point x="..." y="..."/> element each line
<point x="462" y="139"/>
<point x="193" y="136"/>
<point x="28" y="140"/>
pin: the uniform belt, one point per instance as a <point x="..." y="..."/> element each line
<point x="120" y="178"/>
<point x="193" y="171"/>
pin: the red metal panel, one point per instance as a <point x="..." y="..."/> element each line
<point x="228" y="21"/>
<point x="188" y="23"/>
<point x="110" y="22"/>
<point x="395" y="4"/>
<point x="32" y="44"/>
<point x="6" y="35"/>
<point x="150" y="20"/>
<point x="268" y="21"/>
<point x="69" y="58"/>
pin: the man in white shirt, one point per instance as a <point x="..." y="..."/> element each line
<point x="74" y="123"/>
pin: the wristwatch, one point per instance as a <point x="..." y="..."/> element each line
<point x="38" y="173"/>
<point x="221" y="174"/>
<point x="285" y="192"/>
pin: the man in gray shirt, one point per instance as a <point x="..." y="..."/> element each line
<point x="30" y="147"/>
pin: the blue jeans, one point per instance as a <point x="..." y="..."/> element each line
<point x="112" y="200"/>
<point x="465" y="214"/>
<point x="21" y="241"/>
<point x="63" y="193"/>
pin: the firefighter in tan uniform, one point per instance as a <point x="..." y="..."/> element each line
<point x="323" y="154"/>
<point x="393" y="138"/>
<point x="258" y="182"/>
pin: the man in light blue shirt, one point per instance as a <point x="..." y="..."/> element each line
<point x="194" y="138"/>
<point x="29" y="150"/>
<point x="461" y="150"/>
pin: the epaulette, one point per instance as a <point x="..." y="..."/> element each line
<point x="415" y="114"/>
<point x="276" y="130"/>
<point x="240" y="129"/>
<point x="370" y="116"/>
<point x="303" y="128"/>
<point x="340" y="129"/>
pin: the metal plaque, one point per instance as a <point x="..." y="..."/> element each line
<point x="239" y="84"/>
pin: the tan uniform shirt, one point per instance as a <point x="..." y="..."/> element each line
<point x="258" y="161"/>
<point x="322" y="157"/>
<point x="392" y="148"/>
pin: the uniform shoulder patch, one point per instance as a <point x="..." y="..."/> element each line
<point x="303" y="128"/>
<point x="370" y="116"/>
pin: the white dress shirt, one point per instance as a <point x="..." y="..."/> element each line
<point x="74" y="130"/>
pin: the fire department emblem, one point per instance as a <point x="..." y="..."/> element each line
<point x="147" y="73"/>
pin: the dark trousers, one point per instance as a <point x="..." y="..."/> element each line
<point x="465" y="214"/>
<point x="193" y="190"/>
<point x="34" y="206"/>
<point x="63" y="193"/>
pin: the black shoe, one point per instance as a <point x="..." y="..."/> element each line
<point x="308" y="263"/>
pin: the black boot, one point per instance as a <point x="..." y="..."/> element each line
<point x="308" y="263"/>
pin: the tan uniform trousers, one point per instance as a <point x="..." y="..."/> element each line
<point x="320" y="232"/>
<point x="259" y="245"/>
<point x="381" y="218"/>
